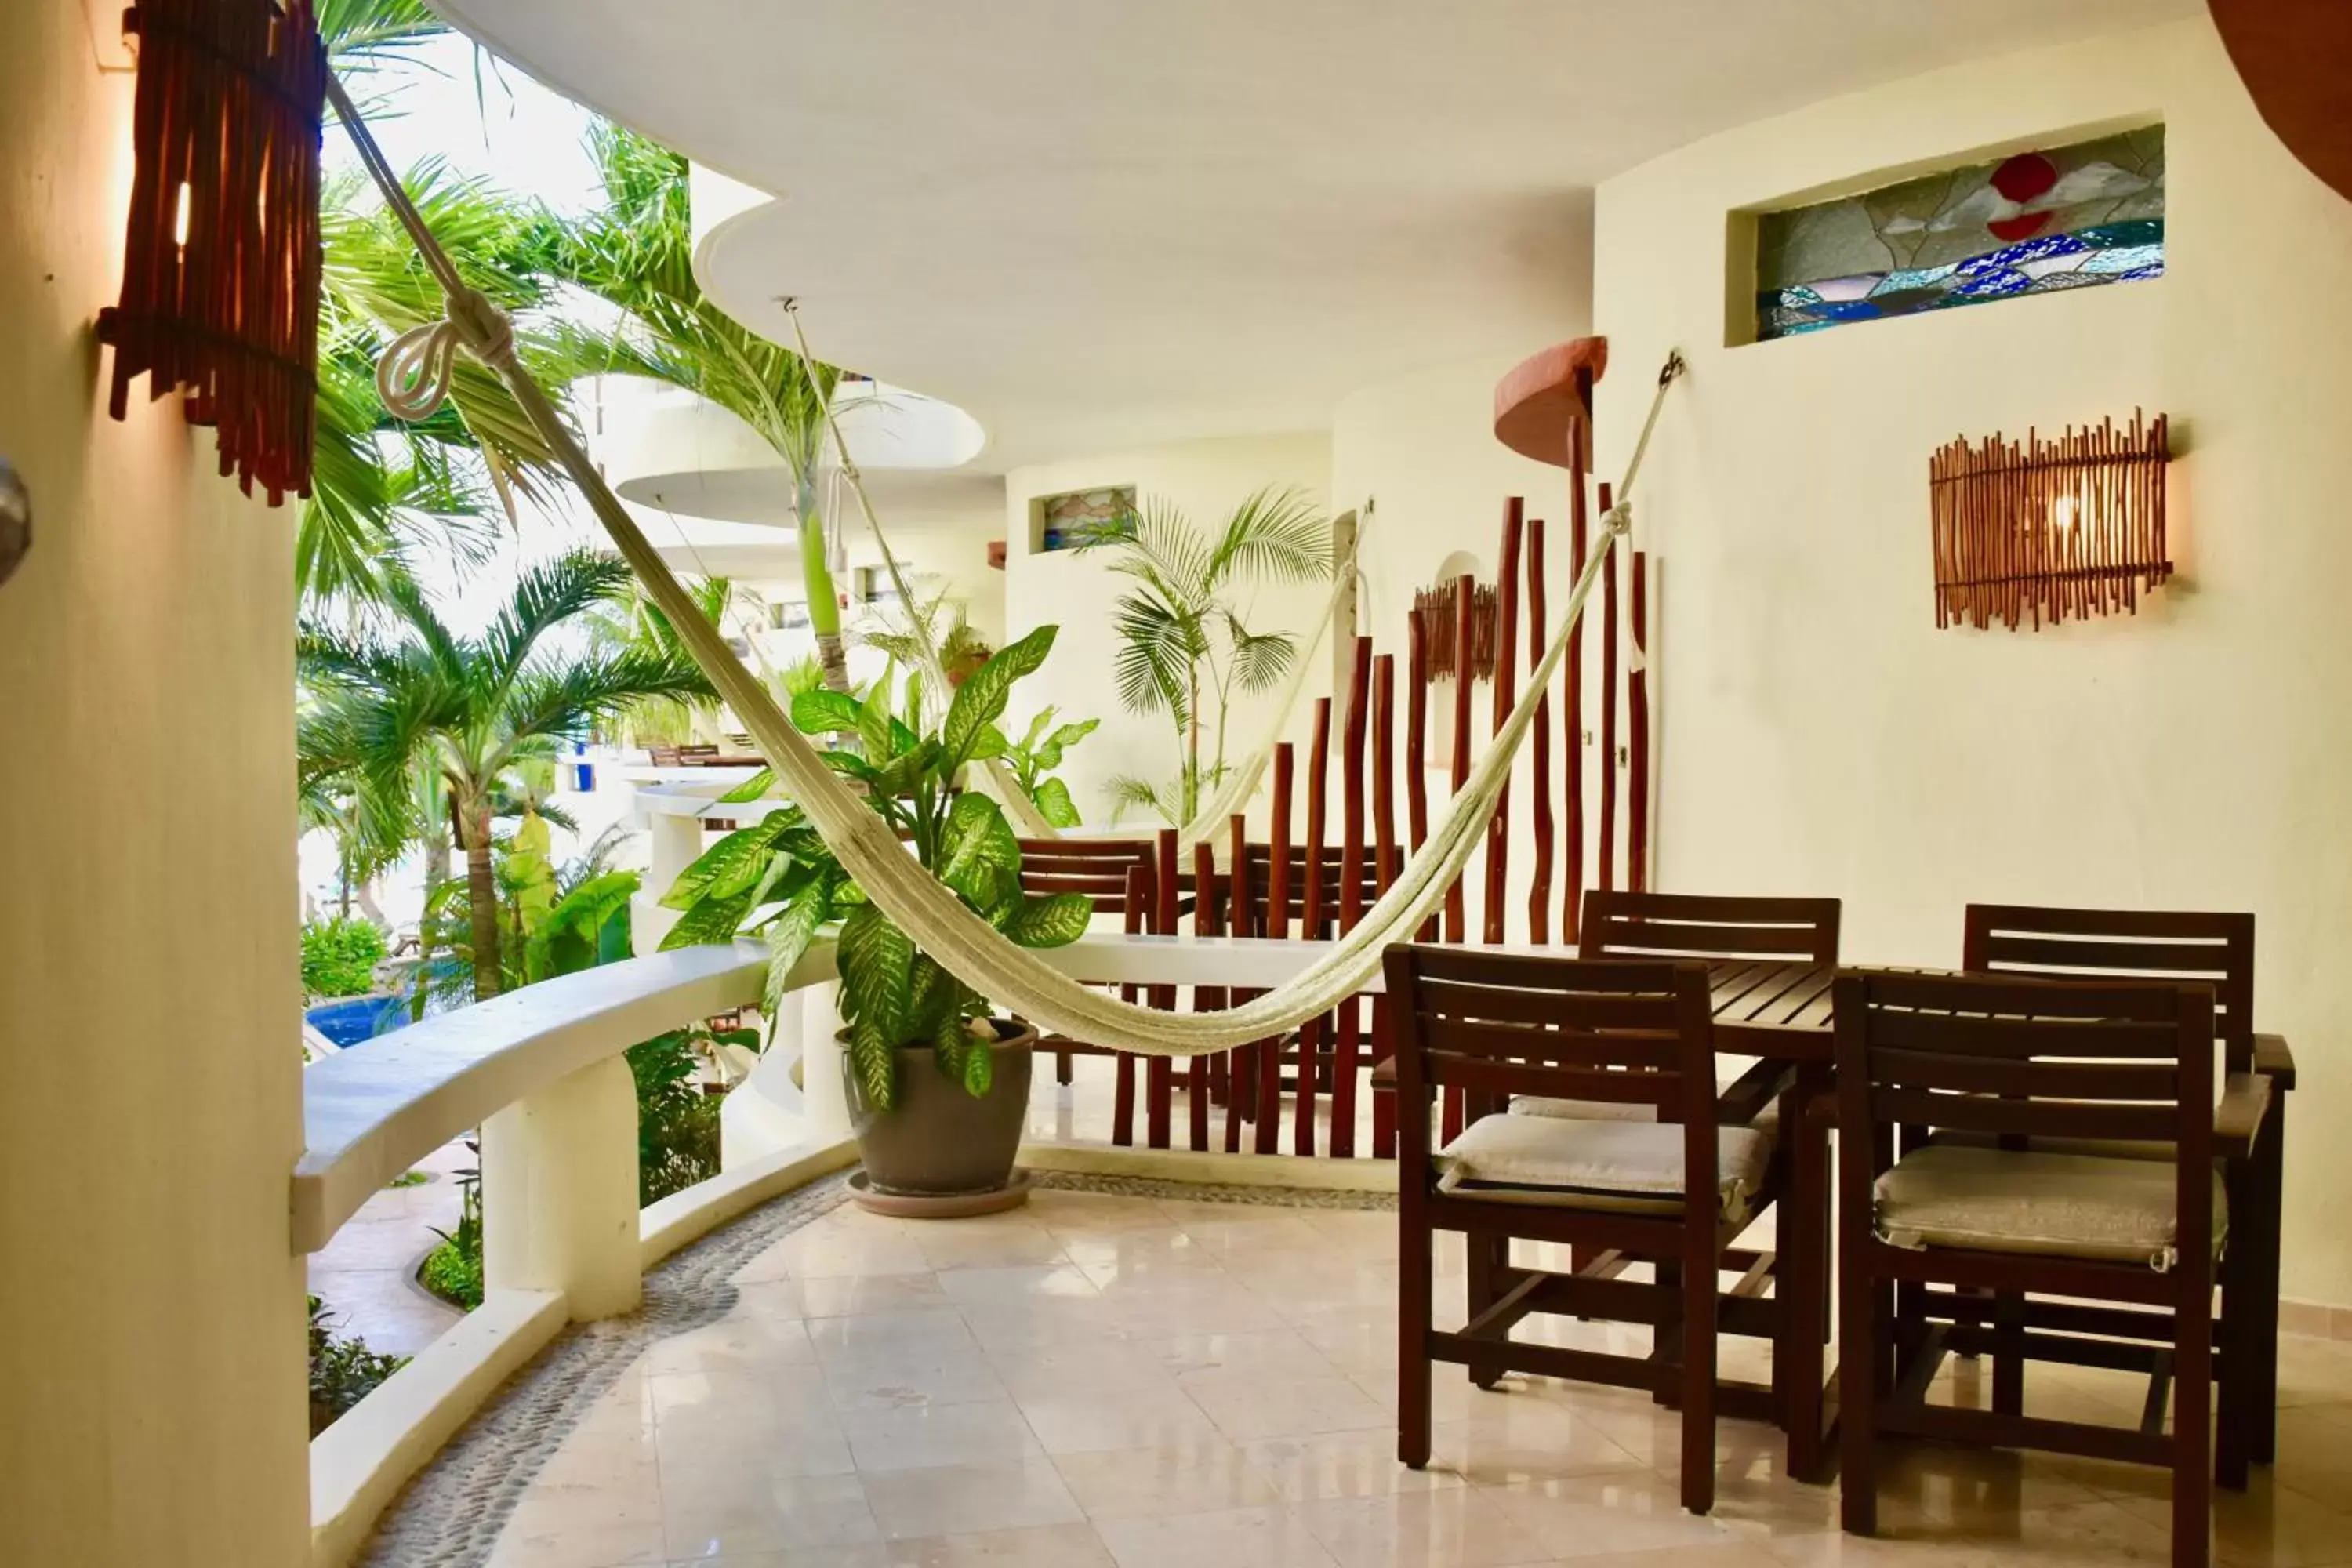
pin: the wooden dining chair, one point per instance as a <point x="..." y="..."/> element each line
<point x="1680" y="1187"/>
<point x="1118" y="875"/>
<point x="1763" y="947"/>
<point x="2171" y="946"/>
<point x="1946" y="1222"/>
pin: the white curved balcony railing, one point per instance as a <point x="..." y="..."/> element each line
<point x="541" y="1072"/>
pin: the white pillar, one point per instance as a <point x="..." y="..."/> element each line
<point x="821" y="1079"/>
<point x="672" y="844"/>
<point x="560" y="1193"/>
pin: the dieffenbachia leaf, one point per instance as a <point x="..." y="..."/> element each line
<point x="1054" y="804"/>
<point x="1055" y="920"/>
<point x="752" y="788"/>
<point x="826" y="712"/>
<point x="980" y="700"/>
<point x="732" y="864"/>
<point x="978" y="857"/>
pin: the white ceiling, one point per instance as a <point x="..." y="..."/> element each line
<point x="1095" y="226"/>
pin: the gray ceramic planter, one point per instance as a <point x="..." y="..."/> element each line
<point x="938" y="1140"/>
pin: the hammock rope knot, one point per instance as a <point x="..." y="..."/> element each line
<point x="415" y="375"/>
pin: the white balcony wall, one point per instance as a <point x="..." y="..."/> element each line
<point x="1206" y="479"/>
<point x="1819" y="735"/>
<point x="151" y="1383"/>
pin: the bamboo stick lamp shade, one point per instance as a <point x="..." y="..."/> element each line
<point x="221" y="245"/>
<point x="2040" y="531"/>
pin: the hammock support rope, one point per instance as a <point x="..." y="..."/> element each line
<point x="968" y="947"/>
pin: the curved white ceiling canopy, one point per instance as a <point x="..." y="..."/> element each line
<point x="1101" y="225"/>
<point x="663" y="446"/>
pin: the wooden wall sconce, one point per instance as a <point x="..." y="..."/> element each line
<point x="2047" y="531"/>
<point x="221" y="248"/>
<point x="1436" y="608"/>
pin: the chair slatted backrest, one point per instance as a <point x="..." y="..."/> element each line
<point x="1499" y="1025"/>
<point x="2172" y="946"/>
<point x="1701" y="926"/>
<point x="1257" y="864"/>
<point x="1097" y="868"/>
<point x="2012" y="1058"/>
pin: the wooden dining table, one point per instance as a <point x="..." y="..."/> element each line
<point x="1780" y="1012"/>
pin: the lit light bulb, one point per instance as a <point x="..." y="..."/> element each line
<point x="180" y="218"/>
<point x="2062" y="512"/>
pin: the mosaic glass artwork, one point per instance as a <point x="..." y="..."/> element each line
<point x="2065" y="217"/>
<point x="1066" y="518"/>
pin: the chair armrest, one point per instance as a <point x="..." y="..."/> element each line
<point x="2275" y="1061"/>
<point x="2239" y="1116"/>
<point x="1747" y="1095"/>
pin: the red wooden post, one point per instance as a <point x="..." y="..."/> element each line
<point x="1349" y="1028"/>
<point x="1637" y="724"/>
<point x="1605" y="871"/>
<point x="1314" y="1034"/>
<point x="1122" y="1111"/>
<point x="1506" y="637"/>
<point x="1416" y="749"/>
<point x="1572" y="711"/>
<point x="1160" y="1076"/>
<point x="1206" y="998"/>
<point x="1540" y="742"/>
<point x="1384" y="862"/>
<point x="1277" y="926"/>
<point x="1465" y="604"/>
<point x="1243" y="1093"/>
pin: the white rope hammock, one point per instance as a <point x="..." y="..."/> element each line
<point x="968" y="947"/>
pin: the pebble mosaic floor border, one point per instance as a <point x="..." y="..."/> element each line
<point x="451" y="1515"/>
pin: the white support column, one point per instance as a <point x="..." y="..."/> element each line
<point x="822" y="1089"/>
<point x="560" y="1193"/>
<point x="673" y="842"/>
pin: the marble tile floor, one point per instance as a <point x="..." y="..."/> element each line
<point x="1169" y="1384"/>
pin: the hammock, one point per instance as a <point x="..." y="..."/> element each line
<point x="414" y="378"/>
<point x="1240" y="782"/>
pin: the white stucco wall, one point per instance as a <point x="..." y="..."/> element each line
<point x="1206" y="480"/>
<point x="151" y="1386"/>
<point x="1819" y="735"/>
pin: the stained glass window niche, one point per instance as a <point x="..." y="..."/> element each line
<point x="2033" y="223"/>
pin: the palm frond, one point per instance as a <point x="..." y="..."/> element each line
<point x="545" y="596"/>
<point x="1276" y="533"/>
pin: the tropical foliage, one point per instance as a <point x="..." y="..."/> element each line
<point x="343" y="1370"/>
<point x="340" y="956"/>
<point x="1031" y="760"/>
<point x="385" y="708"/>
<point x="384" y="491"/>
<point x="779" y="878"/>
<point x="677" y="1124"/>
<point x="637" y="253"/>
<point x="1184" y="649"/>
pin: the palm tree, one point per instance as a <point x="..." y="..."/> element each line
<point x="384" y="709"/>
<point x="637" y="253"/>
<point x="1184" y="649"/>
<point x="382" y="489"/>
<point x="633" y="621"/>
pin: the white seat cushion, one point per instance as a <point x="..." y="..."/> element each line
<point x="1768" y="1119"/>
<point x="1630" y="1166"/>
<point x="2062" y="1205"/>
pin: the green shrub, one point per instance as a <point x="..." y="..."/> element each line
<point x="453" y="1271"/>
<point x="678" y="1124"/>
<point x="343" y="1371"/>
<point x="340" y="956"/>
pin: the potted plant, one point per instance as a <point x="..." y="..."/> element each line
<point x="938" y="1085"/>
